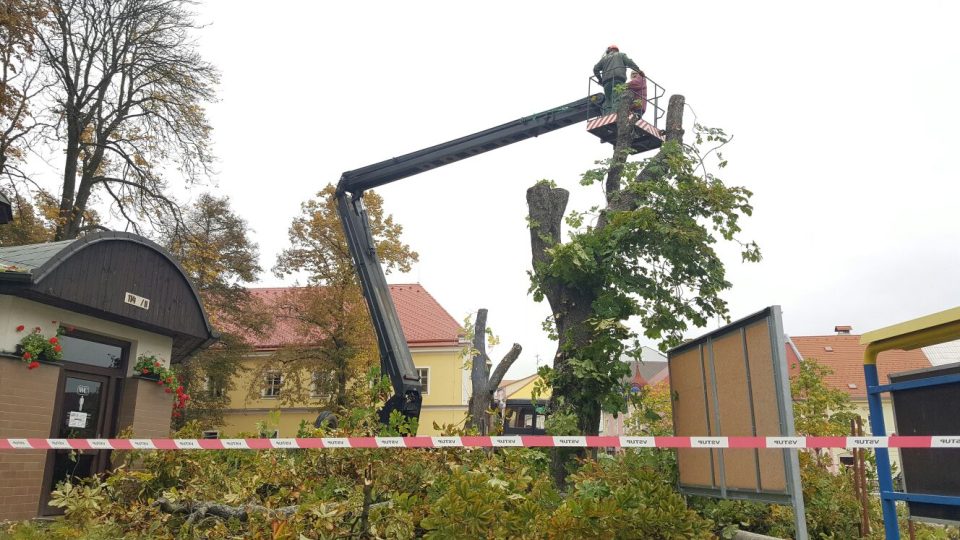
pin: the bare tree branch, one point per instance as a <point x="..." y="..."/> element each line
<point x="129" y="105"/>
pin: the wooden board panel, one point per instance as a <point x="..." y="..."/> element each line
<point x="689" y="416"/>
<point x="763" y="382"/>
<point x="736" y="418"/>
<point x="712" y="423"/>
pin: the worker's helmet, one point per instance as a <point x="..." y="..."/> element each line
<point x="613" y="48"/>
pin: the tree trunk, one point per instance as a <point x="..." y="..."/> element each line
<point x="483" y="384"/>
<point x="572" y="307"/>
<point x="69" y="183"/>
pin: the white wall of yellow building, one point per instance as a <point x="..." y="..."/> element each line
<point x="444" y="403"/>
<point x="15" y="311"/>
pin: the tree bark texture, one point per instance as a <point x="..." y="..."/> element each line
<point x="572" y="306"/>
<point x="483" y="384"/>
<point x="199" y="509"/>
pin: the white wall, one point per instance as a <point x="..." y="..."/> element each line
<point x="15" y="311"/>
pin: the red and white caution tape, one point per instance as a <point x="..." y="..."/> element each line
<point x="528" y="441"/>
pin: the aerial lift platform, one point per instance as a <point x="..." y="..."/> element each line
<point x="395" y="359"/>
<point x="647" y="136"/>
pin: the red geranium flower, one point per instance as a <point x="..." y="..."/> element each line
<point x="20" y="328"/>
<point x="167" y="390"/>
<point x="54" y="340"/>
<point x="57" y="348"/>
<point x="145" y="371"/>
<point x="27" y="355"/>
<point x="33" y="365"/>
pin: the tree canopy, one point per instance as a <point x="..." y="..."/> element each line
<point x="337" y="342"/>
<point x="647" y="258"/>
<point x="21" y="81"/>
<point x="214" y="248"/>
<point x="118" y="89"/>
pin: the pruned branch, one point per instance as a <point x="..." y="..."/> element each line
<point x="482" y="383"/>
<point x="504" y="365"/>
<point x="196" y="510"/>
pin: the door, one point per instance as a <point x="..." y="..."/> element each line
<point x="86" y="406"/>
<point x="84" y="411"/>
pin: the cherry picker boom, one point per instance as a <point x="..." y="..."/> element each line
<point x="395" y="359"/>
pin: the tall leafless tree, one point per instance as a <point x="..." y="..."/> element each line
<point x="128" y="106"/>
<point x="21" y="81"/>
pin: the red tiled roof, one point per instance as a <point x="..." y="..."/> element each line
<point x="424" y="321"/>
<point x="846" y="361"/>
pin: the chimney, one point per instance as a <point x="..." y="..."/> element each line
<point x="842" y="330"/>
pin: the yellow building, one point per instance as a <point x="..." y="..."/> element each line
<point x="522" y="415"/>
<point x="435" y="342"/>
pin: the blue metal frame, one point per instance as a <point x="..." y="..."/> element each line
<point x="889" y="497"/>
<point x="917" y="383"/>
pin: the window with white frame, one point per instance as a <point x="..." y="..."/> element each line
<point x="317" y="389"/>
<point x="214" y="387"/>
<point x="271" y="385"/>
<point x="424" y="374"/>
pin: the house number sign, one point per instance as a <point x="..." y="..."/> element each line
<point x="139" y="301"/>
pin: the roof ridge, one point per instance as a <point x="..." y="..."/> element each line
<point x="424" y="321"/>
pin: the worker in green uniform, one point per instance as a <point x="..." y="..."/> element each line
<point x="611" y="70"/>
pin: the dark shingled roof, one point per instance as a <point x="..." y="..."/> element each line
<point x="24" y="259"/>
<point x="95" y="275"/>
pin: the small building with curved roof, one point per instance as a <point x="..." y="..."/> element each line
<point x="101" y="302"/>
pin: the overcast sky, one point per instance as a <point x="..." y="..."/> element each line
<point x="844" y="116"/>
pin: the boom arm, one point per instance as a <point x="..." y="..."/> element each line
<point x="395" y="359"/>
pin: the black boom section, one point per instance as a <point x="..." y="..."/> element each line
<point x="378" y="174"/>
<point x="395" y="358"/>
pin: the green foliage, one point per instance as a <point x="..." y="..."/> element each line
<point x="818" y="409"/>
<point x="151" y="366"/>
<point x="432" y="493"/>
<point x="214" y="248"/>
<point x="648" y="258"/>
<point x="655" y="260"/>
<point x="338" y="342"/>
<point x="33" y="223"/>
<point x="37" y="346"/>
<point x="650" y="416"/>
<point x="623" y="497"/>
<point x="468" y="330"/>
<point x="82" y="502"/>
